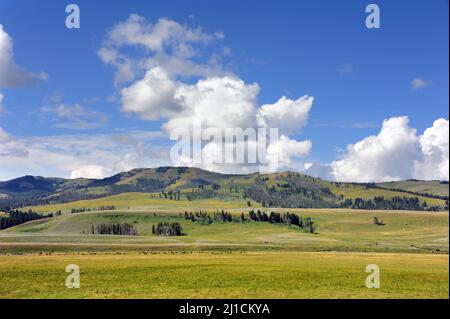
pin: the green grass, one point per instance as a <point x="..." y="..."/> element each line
<point x="141" y="201"/>
<point x="337" y="230"/>
<point x="225" y="260"/>
<point x="225" y="275"/>
<point x="430" y="187"/>
<point x="354" y="191"/>
<point x="152" y="201"/>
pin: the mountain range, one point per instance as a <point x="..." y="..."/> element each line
<point x="287" y="189"/>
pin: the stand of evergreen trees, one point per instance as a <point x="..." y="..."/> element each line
<point x="84" y="209"/>
<point x="205" y="218"/>
<point x="290" y="195"/>
<point x="167" y="229"/>
<point x="37" y="200"/>
<point x="66" y="196"/>
<point x="199" y="217"/>
<point x="423" y="194"/>
<point x="394" y="203"/>
<point x="172" y="195"/>
<point x="204" y="192"/>
<point x="287" y="218"/>
<point x="259" y="216"/>
<point x="114" y="229"/>
<point x="16" y="217"/>
<point x="223" y="216"/>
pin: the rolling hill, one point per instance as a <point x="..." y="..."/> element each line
<point x="438" y="188"/>
<point x="288" y="189"/>
<point x="411" y="246"/>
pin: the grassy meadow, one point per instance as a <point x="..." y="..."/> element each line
<point x="224" y="259"/>
<point x="337" y="230"/>
<point x="225" y="275"/>
<point x="430" y="187"/>
<point x="354" y="191"/>
<point x="143" y="201"/>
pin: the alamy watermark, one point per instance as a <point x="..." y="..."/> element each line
<point x="373" y="19"/>
<point x="73" y="19"/>
<point x="73" y="279"/>
<point x="373" y="280"/>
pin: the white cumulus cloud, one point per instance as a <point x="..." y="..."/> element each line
<point x="219" y="102"/>
<point x="152" y="97"/>
<point x="288" y="115"/>
<point x="179" y="86"/>
<point x="168" y="44"/>
<point x="434" y="144"/>
<point x="79" y="117"/>
<point x="89" y="171"/>
<point x="86" y="155"/>
<point x="12" y="75"/>
<point x="397" y="152"/>
<point x="285" y="149"/>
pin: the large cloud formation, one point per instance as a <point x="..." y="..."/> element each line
<point x="182" y="81"/>
<point x="396" y="153"/>
<point x="434" y="146"/>
<point x="87" y="155"/>
<point x="175" y="74"/>
<point x="166" y="43"/>
<point x="12" y="75"/>
<point x="179" y="79"/>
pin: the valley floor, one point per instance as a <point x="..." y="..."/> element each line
<point x="225" y="275"/>
<point x="229" y="259"/>
<point x="337" y="230"/>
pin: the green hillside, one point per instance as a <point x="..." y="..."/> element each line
<point x="142" y="201"/>
<point x="288" y="189"/>
<point x="424" y="187"/>
<point x="237" y="258"/>
<point x="341" y="230"/>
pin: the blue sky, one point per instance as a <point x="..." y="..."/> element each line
<point x="357" y="76"/>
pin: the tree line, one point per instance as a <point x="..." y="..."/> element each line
<point x="167" y="229"/>
<point x="287" y="218"/>
<point x="205" y="218"/>
<point x="114" y="229"/>
<point x="257" y="216"/>
<point x="20" y="201"/>
<point x="16" y="217"/>
<point x="424" y="194"/>
<point x="290" y="195"/>
<point x="394" y="203"/>
<point x="172" y="195"/>
<point x="84" y="209"/>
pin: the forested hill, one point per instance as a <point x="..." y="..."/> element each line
<point x="288" y="189"/>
